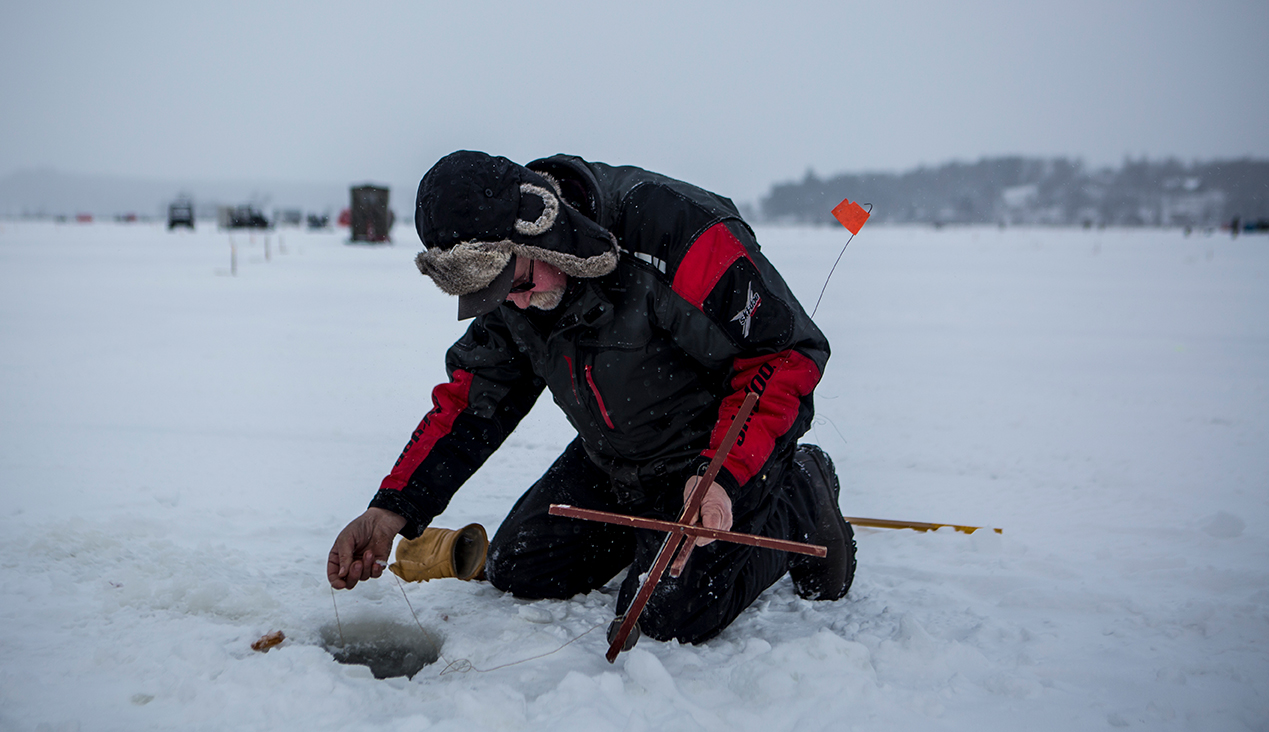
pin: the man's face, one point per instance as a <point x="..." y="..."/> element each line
<point x="539" y="285"/>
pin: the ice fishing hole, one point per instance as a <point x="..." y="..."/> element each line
<point x="389" y="649"/>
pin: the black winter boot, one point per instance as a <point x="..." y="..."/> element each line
<point x="828" y="578"/>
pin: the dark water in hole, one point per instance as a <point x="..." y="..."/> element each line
<point x="388" y="649"/>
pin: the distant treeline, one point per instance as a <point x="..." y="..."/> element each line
<point x="1017" y="190"/>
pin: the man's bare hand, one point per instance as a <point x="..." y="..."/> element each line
<point x="715" y="508"/>
<point x="361" y="550"/>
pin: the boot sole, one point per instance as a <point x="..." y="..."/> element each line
<point x="829" y="578"/>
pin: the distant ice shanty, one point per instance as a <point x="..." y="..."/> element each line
<point x="371" y="219"/>
<point x="180" y="213"/>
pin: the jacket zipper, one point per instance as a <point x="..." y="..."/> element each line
<point x="598" y="399"/>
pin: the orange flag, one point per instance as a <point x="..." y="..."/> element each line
<point x="851" y="214"/>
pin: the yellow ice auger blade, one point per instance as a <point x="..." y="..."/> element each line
<point x="914" y="525"/>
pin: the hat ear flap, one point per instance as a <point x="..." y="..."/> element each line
<point x="550" y="210"/>
<point x="464" y="268"/>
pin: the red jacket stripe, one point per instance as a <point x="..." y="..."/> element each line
<point x="706" y="261"/>
<point x="780" y="380"/>
<point x="448" y="401"/>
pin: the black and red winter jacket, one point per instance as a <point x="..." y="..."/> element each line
<point x="649" y="363"/>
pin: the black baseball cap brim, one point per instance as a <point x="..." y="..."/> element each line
<point x="491" y="296"/>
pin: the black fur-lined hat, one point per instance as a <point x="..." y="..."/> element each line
<point x="475" y="212"/>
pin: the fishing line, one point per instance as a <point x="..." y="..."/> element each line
<point x="337" y="623"/>
<point x="459" y="665"/>
<point x="820" y="419"/>
<point x="463" y="665"/>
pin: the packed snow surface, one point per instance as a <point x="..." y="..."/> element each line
<point x="180" y="445"/>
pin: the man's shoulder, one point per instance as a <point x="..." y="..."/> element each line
<point x="626" y="191"/>
<point x="661" y="222"/>
<point x="655" y="218"/>
<point x="645" y="194"/>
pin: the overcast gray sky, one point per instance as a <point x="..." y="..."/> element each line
<point x="733" y="96"/>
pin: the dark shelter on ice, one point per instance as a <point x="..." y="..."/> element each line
<point x="371" y="217"/>
<point x="180" y="213"/>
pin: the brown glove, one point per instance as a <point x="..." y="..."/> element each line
<point x="440" y="553"/>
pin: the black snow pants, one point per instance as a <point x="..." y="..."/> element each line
<point x="536" y="555"/>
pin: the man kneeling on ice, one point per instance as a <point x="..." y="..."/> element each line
<point x="646" y="307"/>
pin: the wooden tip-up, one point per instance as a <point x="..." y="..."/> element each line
<point x="681" y="533"/>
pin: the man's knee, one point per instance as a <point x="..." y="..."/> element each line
<point x="683" y="627"/>
<point x="547" y="572"/>
<point x="691" y="615"/>
<point x="513" y="574"/>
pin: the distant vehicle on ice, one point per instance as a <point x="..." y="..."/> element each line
<point x="318" y="221"/>
<point x="242" y="217"/>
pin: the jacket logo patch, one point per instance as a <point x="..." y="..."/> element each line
<point x="745" y="316"/>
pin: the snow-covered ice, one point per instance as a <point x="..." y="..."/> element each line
<point x="180" y="446"/>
